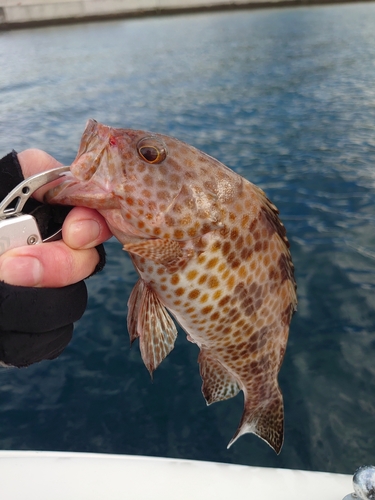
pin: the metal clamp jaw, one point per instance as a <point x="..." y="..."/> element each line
<point x="16" y="228"/>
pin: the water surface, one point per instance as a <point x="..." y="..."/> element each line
<point x="286" y="98"/>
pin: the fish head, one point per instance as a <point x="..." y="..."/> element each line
<point x="155" y="185"/>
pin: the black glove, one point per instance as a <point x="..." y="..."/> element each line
<point x="37" y="323"/>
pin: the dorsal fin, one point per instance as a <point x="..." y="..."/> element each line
<point x="271" y="215"/>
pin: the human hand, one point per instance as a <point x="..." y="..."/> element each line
<point x="42" y="292"/>
<point x="59" y="263"/>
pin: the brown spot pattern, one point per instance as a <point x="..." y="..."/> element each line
<point x="210" y="247"/>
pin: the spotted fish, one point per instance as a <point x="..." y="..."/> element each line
<point x="209" y="249"/>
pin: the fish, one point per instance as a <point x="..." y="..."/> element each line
<point x="211" y="253"/>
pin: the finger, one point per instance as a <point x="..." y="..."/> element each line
<point x="85" y="228"/>
<point x="47" y="265"/>
<point x="33" y="161"/>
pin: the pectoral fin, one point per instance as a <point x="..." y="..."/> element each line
<point x="162" y="251"/>
<point x="149" y="320"/>
<point x="218" y="383"/>
<point x="167" y="252"/>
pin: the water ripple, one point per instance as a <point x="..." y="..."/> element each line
<point x="286" y="98"/>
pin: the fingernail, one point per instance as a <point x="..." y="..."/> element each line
<point x="82" y="233"/>
<point x="22" y="271"/>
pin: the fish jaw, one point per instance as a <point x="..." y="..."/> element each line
<point x="96" y="173"/>
<point x="82" y="194"/>
<point x="108" y="204"/>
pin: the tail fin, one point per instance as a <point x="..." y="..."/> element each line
<point x="265" y="420"/>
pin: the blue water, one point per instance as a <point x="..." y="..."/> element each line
<point x="286" y="98"/>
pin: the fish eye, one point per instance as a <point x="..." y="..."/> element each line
<point x="152" y="150"/>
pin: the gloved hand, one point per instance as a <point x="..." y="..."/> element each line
<point x="36" y="322"/>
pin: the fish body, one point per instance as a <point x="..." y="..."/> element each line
<point x="209" y="249"/>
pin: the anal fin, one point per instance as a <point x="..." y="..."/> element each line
<point x="149" y="320"/>
<point x="265" y="420"/>
<point x="218" y="383"/>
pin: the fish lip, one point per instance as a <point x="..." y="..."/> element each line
<point x="75" y="192"/>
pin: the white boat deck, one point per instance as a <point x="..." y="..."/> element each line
<point x="34" y="475"/>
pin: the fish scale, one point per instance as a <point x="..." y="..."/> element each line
<point x="209" y="249"/>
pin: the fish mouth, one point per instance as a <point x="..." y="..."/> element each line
<point x="81" y="194"/>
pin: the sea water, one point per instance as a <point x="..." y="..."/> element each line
<point x="286" y="98"/>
